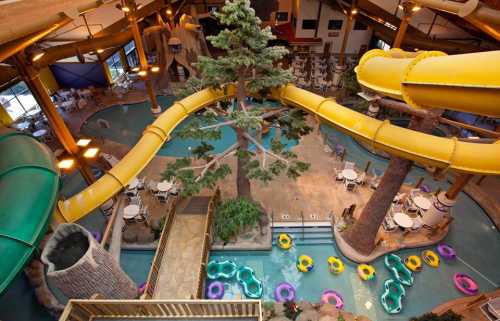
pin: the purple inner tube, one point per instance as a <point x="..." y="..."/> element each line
<point x="96" y="235"/>
<point x="329" y="295"/>
<point x="446" y="251"/>
<point x="284" y="292"/>
<point x="215" y="290"/>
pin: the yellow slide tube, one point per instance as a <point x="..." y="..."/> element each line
<point x="435" y="151"/>
<point x="431" y="79"/>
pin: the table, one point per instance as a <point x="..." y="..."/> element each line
<point x="164" y="186"/>
<point x="403" y="220"/>
<point x="349" y="174"/>
<point x="40" y="133"/>
<point x="422" y="202"/>
<point x="131" y="211"/>
<point x="133" y="184"/>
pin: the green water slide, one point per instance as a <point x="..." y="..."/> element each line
<point x="29" y="186"/>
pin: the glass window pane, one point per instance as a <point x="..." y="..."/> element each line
<point x="19" y="87"/>
<point x="335" y="24"/>
<point x="129" y="47"/>
<point x="309" y="24"/>
<point x="14" y="109"/>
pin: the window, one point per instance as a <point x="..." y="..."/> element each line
<point x="281" y="16"/>
<point x="18" y="100"/>
<point x="131" y="53"/>
<point x="383" y="45"/>
<point x="359" y="26"/>
<point x="309" y="24"/>
<point x="115" y="65"/>
<point x="335" y="24"/>
<point x="213" y="9"/>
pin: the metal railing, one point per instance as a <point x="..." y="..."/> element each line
<point x="83" y="310"/>
<point x="212" y="204"/>
<point x="160" y="251"/>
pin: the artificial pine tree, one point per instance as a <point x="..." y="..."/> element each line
<point x="251" y="65"/>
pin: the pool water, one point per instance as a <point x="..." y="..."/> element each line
<point x="127" y="123"/>
<point x="472" y="234"/>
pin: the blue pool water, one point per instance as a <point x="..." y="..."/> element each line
<point x="472" y="234"/>
<point x="127" y="123"/>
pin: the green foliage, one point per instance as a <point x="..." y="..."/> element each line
<point x="350" y="82"/>
<point x="194" y="130"/>
<point x="191" y="86"/>
<point x="192" y="183"/>
<point x="248" y="120"/>
<point x="294" y="125"/>
<point x="202" y="151"/>
<point x="233" y="215"/>
<point x="447" y="316"/>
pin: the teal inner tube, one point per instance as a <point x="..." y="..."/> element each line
<point x="398" y="270"/>
<point x="221" y="270"/>
<point x="392" y="297"/>
<point x="29" y="190"/>
<point x="252" y="287"/>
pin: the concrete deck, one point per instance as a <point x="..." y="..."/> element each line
<point x="468" y="307"/>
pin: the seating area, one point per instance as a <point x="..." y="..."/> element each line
<point x="73" y="99"/>
<point x="350" y="176"/>
<point x="406" y="211"/>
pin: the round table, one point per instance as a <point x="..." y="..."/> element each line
<point x="131" y="211"/>
<point x="403" y="220"/>
<point x="133" y="184"/>
<point x="164" y="186"/>
<point x="422" y="202"/>
<point x="40" y="133"/>
<point x="349" y="174"/>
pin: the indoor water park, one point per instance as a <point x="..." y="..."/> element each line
<point x="245" y="160"/>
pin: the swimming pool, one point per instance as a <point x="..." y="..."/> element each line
<point x="472" y="234"/>
<point x="127" y="123"/>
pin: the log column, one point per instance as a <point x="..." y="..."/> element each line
<point x="340" y="66"/>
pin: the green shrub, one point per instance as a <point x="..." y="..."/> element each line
<point x="447" y="316"/>
<point x="233" y="215"/>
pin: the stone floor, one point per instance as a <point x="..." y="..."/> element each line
<point x="468" y="307"/>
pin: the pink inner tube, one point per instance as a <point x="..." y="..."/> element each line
<point x="215" y="290"/>
<point x="465" y="284"/>
<point x="284" y="292"/>
<point x="446" y="251"/>
<point x="332" y="297"/>
<point x="141" y="288"/>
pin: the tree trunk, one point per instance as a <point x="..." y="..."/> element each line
<point x="362" y="235"/>
<point x="242" y="181"/>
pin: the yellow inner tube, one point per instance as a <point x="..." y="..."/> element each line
<point x="305" y="263"/>
<point x="366" y="272"/>
<point x="414" y="263"/>
<point x="284" y="241"/>
<point x="431" y="258"/>
<point x="335" y="264"/>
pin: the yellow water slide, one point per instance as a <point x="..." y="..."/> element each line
<point x="436" y="151"/>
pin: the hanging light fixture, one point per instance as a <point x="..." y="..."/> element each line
<point x="142" y="73"/>
<point x="66" y="163"/>
<point x="35" y="54"/>
<point x="155" y="68"/>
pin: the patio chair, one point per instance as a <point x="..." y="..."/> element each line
<point x="417" y="224"/>
<point x="375" y="181"/>
<point x="338" y="175"/>
<point x="361" y="179"/>
<point x="388" y="224"/>
<point x="131" y="192"/>
<point x="152" y="186"/>
<point x="142" y="183"/>
<point x="350" y="185"/>
<point x="349" y="165"/>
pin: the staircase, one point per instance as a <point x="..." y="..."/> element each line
<point x="307" y="235"/>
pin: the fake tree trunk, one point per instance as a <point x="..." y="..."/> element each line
<point x="242" y="181"/>
<point x="80" y="267"/>
<point x="362" y="235"/>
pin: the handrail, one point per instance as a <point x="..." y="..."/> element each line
<point x="212" y="204"/>
<point x="109" y="226"/>
<point x="83" y="310"/>
<point x="160" y="251"/>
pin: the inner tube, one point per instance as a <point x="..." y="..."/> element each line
<point x="430" y="258"/>
<point x="142" y="288"/>
<point x="414" y="263"/>
<point x="221" y="270"/>
<point x="305" y="263"/>
<point x="446" y="251"/>
<point x="398" y="270"/>
<point x="392" y="297"/>
<point x="284" y="241"/>
<point x="252" y="287"/>
<point x="465" y="284"/>
<point x="366" y="272"/>
<point x="215" y="290"/>
<point x="284" y="292"/>
<point x="335" y="265"/>
<point x="332" y="297"/>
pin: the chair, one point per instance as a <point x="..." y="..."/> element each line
<point x="142" y="183"/>
<point x="361" y="179"/>
<point x="398" y="199"/>
<point x="131" y="192"/>
<point x="162" y="196"/>
<point x="136" y="200"/>
<point x="350" y="185"/>
<point x="375" y="181"/>
<point x="153" y="186"/>
<point x="417" y="224"/>
<point x="338" y="175"/>
<point x="349" y="165"/>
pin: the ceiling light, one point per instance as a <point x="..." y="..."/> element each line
<point x="169" y="12"/>
<point x="354" y="11"/>
<point x="139" y="6"/>
<point x="142" y="73"/>
<point x="155" y="68"/>
<point x="100" y="50"/>
<point x="91" y="152"/>
<point x="83" y="142"/>
<point x="400" y="7"/>
<point x="416" y="8"/>
<point x="36" y="54"/>
<point x="123" y="8"/>
<point x="66" y="163"/>
<point x="135" y="69"/>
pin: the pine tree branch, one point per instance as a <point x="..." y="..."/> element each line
<point x="230" y="122"/>
<point x="265" y="150"/>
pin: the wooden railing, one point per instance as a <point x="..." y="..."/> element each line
<point x="83" y="310"/>
<point x="207" y="240"/>
<point x="160" y="251"/>
<point x="111" y="222"/>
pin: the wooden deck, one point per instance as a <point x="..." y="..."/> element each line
<point x="468" y="307"/>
